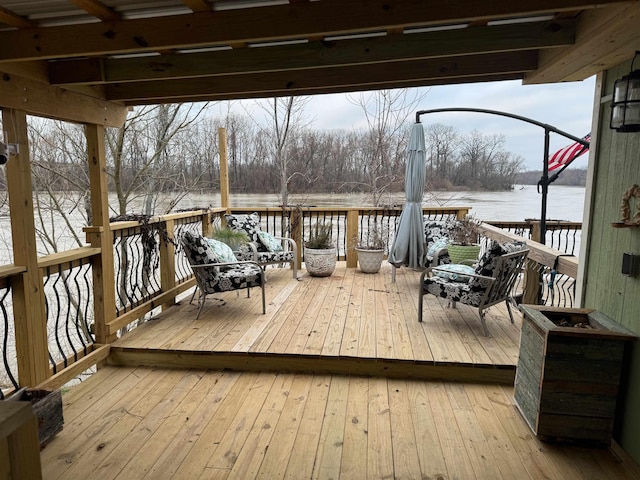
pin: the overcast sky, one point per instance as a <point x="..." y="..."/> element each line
<point x="566" y="106"/>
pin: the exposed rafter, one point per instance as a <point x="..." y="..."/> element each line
<point x="260" y="24"/>
<point x="192" y="50"/>
<point x="300" y="82"/>
<point x="316" y="55"/>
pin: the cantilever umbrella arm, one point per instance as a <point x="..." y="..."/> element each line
<point x="544" y="182"/>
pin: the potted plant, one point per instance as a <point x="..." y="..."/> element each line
<point x="371" y="248"/>
<point x="233" y="238"/>
<point x="463" y="239"/>
<point x="320" y="251"/>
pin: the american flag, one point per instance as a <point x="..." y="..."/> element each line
<point x="568" y="153"/>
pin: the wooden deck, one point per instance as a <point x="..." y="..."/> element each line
<point x="330" y="383"/>
<point x="349" y="322"/>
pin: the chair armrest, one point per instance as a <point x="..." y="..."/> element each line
<point x="226" y="264"/>
<point x="437" y="254"/>
<point x="289" y="242"/>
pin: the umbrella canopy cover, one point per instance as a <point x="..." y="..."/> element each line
<point x="408" y="245"/>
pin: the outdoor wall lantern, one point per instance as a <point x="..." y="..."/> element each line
<point x="625" y="107"/>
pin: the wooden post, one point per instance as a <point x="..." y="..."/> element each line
<point x="104" y="295"/>
<point x="352" y="238"/>
<point x="27" y="289"/>
<point x="168" y="262"/>
<point x="296" y="231"/>
<point x="224" y="168"/>
<point x="531" y="292"/>
<point x="19" y="445"/>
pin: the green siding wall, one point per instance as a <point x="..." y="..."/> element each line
<point x="615" y="169"/>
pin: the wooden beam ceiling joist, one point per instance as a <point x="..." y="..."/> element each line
<point x="259" y="24"/>
<point x="607" y="38"/>
<point x="315" y="54"/>
<point x="43" y="100"/>
<point x="329" y="90"/>
<point x="418" y="72"/>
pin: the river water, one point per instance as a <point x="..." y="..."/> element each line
<point x="563" y="203"/>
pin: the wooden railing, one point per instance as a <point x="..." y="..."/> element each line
<point x="149" y="271"/>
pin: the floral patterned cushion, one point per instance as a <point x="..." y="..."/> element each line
<point x="489" y="260"/>
<point x="455" y="272"/>
<point x="222" y="251"/>
<point x="267" y="257"/>
<point x="233" y="278"/>
<point x="455" y="291"/>
<point x="214" y="279"/>
<point x="435" y="231"/>
<point x="250" y="224"/>
<point x="270" y="242"/>
<point x="437" y="245"/>
<point x="199" y="251"/>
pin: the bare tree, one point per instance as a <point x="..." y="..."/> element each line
<point x="145" y="162"/>
<point x="388" y="114"/>
<point x="286" y="118"/>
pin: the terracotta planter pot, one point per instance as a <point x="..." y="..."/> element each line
<point x="320" y="262"/>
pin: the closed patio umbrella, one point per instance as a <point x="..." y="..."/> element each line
<point x="408" y="245"/>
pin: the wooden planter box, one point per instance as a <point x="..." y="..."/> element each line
<point x="568" y="377"/>
<point x="47" y="407"/>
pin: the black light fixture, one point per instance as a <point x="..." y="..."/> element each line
<point x="625" y="107"/>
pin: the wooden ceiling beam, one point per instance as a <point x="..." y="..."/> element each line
<point x="315" y="54"/>
<point x="603" y="38"/>
<point x="329" y="90"/>
<point x="13" y="20"/>
<point x="40" y="99"/>
<point x="98" y="10"/>
<point x="279" y="22"/>
<point x="416" y="72"/>
<point x="197" y="5"/>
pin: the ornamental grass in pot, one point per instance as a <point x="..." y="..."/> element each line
<point x="371" y="248"/>
<point x="320" y="250"/>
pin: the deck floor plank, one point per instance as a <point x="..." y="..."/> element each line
<point x="276" y="456"/>
<point x="308" y="437"/>
<point x="350" y="337"/>
<point x="171" y="442"/>
<point x="382" y="317"/>
<point x="182" y="424"/>
<point x="250" y="458"/>
<point x="191" y="462"/>
<point x="379" y="443"/>
<point x="329" y="452"/>
<point x="335" y="333"/>
<point x="406" y="460"/>
<point x="130" y="421"/>
<point x="354" y="457"/>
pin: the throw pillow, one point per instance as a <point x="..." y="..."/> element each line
<point x="437" y="245"/>
<point x="247" y="223"/>
<point x="269" y="241"/>
<point x="487" y="263"/>
<point x="455" y="272"/>
<point x="222" y="251"/>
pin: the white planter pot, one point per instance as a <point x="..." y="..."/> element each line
<point x="370" y="260"/>
<point x="320" y="262"/>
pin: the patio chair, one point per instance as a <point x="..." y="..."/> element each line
<point x="263" y="248"/>
<point x="436" y="239"/>
<point x="215" y="276"/>
<point x="489" y="283"/>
